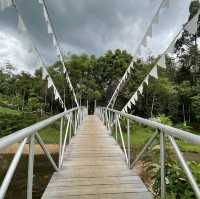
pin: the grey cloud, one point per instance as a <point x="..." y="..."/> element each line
<point x="94" y="26"/>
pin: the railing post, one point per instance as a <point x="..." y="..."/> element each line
<point x="162" y="164"/>
<point x="129" y="143"/>
<point x="60" y="141"/>
<point x="70" y="128"/>
<point x="116" y="132"/>
<point x="30" y="167"/>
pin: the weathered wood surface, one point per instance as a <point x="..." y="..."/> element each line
<point x="94" y="168"/>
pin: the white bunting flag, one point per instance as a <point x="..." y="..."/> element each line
<point x="140" y="89"/>
<point x="133" y="102"/>
<point x="50" y="82"/>
<point x="58" y="51"/>
<point x="171" y="48"/>
<point x="5" y="4"/>
<point x="129" y="105"/>
<point x="64" y="69"/>
<point x="129" y="70"/>
<point x="125" y="109"/>
<point x="125" y="76"/>
<point x="56" y="95"/>
<point x="161" y="61"/>
<point x="154" y="72"/>
<point x="144" y="41"/>
<point x="44" y="74"/>
<point x="149" y="31"/>
<point x="21" y="26"/>
<point x="166" y="4"/>
<point x="192" y="25"/>
<point x="54" y="40"/>
<point x="49" y="29"/>
<point x="146" y="80"/>
<point x="135" y="96"/>
<point x="131" y="65"/>
<point x="45" y="15"/>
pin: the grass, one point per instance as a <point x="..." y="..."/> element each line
<point x="50" y="135"/>
<point x="140" y="135"/>
<point x="187" y="147"/>
<point x="8" y="111"/>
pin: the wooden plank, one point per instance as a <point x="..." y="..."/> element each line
<point x="94" y="168"/>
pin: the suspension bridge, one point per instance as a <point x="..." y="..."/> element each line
<point x="95" y="160"/>
<point x="91" y="162"/>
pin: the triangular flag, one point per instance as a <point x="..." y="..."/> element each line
<point x="5" y="4"/>
<point x="49" y="29"/>
<point x="140" y="89"/>
<point x="192" y="25"/>
<point x="45" y="15"/>
<point x="132" y="100"/>
<point x="146" y="80"/>
<point x="170" y="49"/>
<point x="125" y="76"/>
<point x="135" y="96"/>
<point x="58" y="51"/>
<point x="54" y="40"/>
<point x="129" y="105"/>
<point x="44" y="74"/>
<point x="144" y="41"/>
<point x="64" y="69"/>
<point x="50" y="82"/>
<point x="125" y="109"/>
<point x="21" y="26"/>
<point x="149" y="31"/>
<point x="56" y="95"/>
<point x="131" y="65"/>
<point x="161" y="62"/>
<point x="154" y="72"/>
<point x="165" y="4"/>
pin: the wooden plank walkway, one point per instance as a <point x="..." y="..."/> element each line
<point x="94" y="168"/>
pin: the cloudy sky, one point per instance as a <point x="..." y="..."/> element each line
<point x="89" y="26"/>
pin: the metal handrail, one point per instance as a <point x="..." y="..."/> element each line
<point x="111" y="119"/>
<point x="73" y="117"/>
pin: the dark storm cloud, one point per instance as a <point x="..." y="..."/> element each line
<point x="94" y="26"/>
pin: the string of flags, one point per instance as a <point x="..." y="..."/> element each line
<point x="122" y="80"/>
<point x="143" y="43"/>
<point x="191" y="27"/>
<point x="6" y="4"/>
<point x="149" y="31"/>
<point x="51" y="32"/>
<point x="45" y="75"/>
<point x="50" y="84"/>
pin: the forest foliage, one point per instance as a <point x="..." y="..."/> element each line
<point x="175" y="94"/>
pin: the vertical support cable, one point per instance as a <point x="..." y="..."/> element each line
<point x="30" y="167"/>
<point x="60" y="141"/>
<point x="162" y="164"/>
<point x="129" y="143"/>
<point x="122" y="139"/>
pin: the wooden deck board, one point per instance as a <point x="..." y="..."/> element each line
<point x="94" y="168"/>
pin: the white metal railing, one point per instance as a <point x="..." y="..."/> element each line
<point x="28" y="135"/>
<point x="111" y="119"/>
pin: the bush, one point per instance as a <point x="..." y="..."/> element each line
<point x="10" y="123"/>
